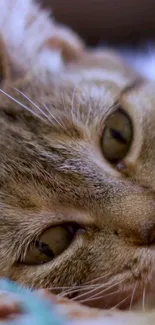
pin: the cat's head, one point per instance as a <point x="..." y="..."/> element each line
<point x="77" y="180"/>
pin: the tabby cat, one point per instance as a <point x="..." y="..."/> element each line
<point x="77" y="172"/>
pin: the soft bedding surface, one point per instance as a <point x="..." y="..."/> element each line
<point x="43" y="308"/>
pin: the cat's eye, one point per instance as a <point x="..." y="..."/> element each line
<point x="117" y="136"/>
<point x="51" y="243"/>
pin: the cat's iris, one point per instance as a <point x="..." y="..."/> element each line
<point x="117" y="136"/>
<point x="51" y="243"/>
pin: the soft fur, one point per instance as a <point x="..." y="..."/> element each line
<point x="55" y="96"/>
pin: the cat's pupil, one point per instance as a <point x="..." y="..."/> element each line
<point x="44" y="248"/>
<point x="118" y="136"/>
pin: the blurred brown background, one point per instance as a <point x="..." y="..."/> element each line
<point x="109" y="20"/>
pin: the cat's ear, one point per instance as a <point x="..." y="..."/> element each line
<point x="34" y="41"/>
<point x="60" y="48"/>
<point x="67" y="42"/>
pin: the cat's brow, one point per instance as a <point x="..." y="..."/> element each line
<point x="134" y="85"/>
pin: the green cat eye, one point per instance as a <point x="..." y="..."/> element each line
<point x="117" y="136"/>
<point x="49" y="245"/>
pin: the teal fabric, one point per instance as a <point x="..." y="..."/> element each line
<point x="37" y="311"/>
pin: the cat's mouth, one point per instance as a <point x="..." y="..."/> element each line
<point x="142" y="299"/>
<point x="109" y="300"/>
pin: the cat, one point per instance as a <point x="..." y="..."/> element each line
<point x="77" y="185"/>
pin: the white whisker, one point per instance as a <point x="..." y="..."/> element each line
<point x="70" y="287"/>
<point x="132" y="296"/>
<point x="83" y="288"/>
<point x="73" y="289"/>
<point x="72" y="105"/>
<point x="57" y="288"/>
<point x="99" y="278"/>
<point x="63" y="101"/>
<point x="34" y="104"/>
<point x="143" y="299"/>
<point x="21" y="104"/>
<point x="98" y="288"/>
<point x="120" y="302"/>
<point x="51" y="114"/>
<point x="85" y="285"/>
<point x="89" y="113"/>
<point x="98" y="297"/>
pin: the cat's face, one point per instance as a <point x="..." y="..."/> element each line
<point x="77" y="183"/>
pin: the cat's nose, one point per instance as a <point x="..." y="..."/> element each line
<point x="145" y="236"/>
<point x="151" y="236"/>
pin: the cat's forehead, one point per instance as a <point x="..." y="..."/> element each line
<point x="77" y="96"/>
<point x="92" y="90"/>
